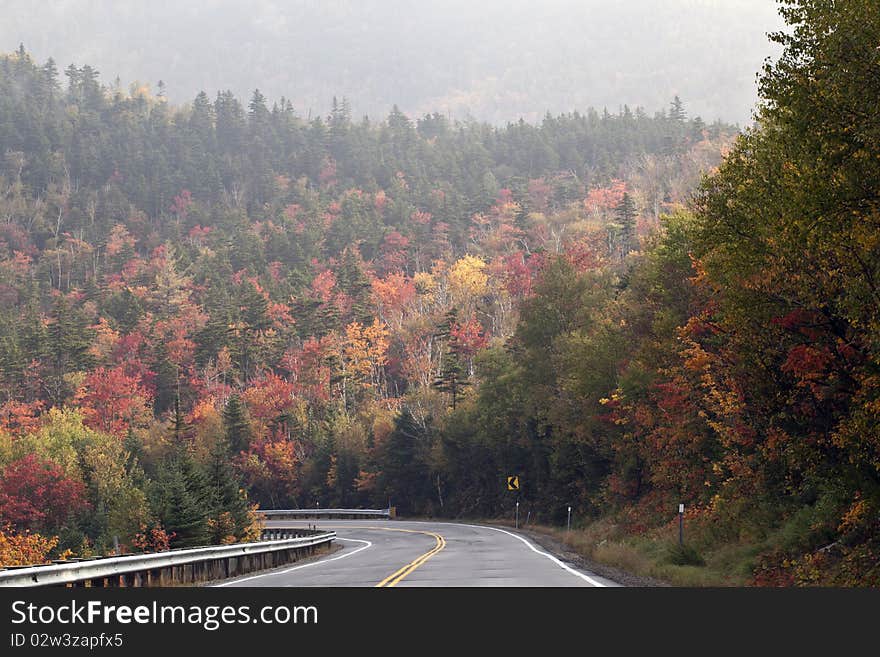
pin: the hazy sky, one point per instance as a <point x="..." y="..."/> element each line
<point x="496" y="60"/>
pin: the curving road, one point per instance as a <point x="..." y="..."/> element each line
<point x="410" y="553"/>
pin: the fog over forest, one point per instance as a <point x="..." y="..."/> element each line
<point x="495" y="60"/>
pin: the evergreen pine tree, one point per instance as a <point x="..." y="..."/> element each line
<point x="405" y="472"/>
<point x="236" y="426"/>
<point x="68" y="342"/>
<point x="50" y="78"/>
<point x="165" y="383"/>
<point x="453" y="373"/>
<point x="676" y="111"/>
<point x="351" y="279"/>
<point x="626" y="214"/>
<point x="226" y="494"/>
<point x="184" y="498"/>
<point x="180" y="430"/>
<point x="258" y="113"/>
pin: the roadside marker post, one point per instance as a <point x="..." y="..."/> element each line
<point x="568" y="528"/>
<point x="513" y="485"/>
<point x="681" y="525"/>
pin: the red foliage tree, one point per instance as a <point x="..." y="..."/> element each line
<point x="19" y="418"/>
<point x="323" y="285"/>
<point x="602" y="201"/>
<point x="394" y="252"/>
<point x="36" y="494"/>
<point x="181" y="204"/>
<point x="469" y="337"/>
<point x="519" y="273"/>
<point x="270" y="401"/>
<point x="113" y="401"/>
<point x="309" y="370"/>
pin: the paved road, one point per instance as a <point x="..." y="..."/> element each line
<point x="408" y="553"/>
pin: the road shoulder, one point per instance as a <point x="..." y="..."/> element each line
<point x="334" y="548"/>
<point x="578" y="561"/>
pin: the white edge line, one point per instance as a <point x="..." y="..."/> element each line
<point x="586" y="578"/>
<point x="306" y="565"/>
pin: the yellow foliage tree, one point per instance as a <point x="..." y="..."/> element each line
<point x="24" y="549"/>
<point x="468" y="279"/>
<point x="365" y="352"/>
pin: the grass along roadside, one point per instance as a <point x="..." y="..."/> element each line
<point x="651" y="558"/>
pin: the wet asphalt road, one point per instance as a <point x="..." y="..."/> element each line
<point x="409" y="553"/>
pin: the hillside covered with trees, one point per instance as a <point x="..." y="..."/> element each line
<point x="220" y="305"/>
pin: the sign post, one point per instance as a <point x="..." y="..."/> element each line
<point x="513" y="484"/>
<point x="681" y="525"/>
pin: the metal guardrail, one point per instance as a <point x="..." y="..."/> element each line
<point x="173" y="566"/>
<point x="290" y="514"/>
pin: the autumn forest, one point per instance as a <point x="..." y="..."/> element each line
<point x="219" y="306"/>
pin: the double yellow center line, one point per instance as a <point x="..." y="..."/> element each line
<point x="394" y="578"/>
